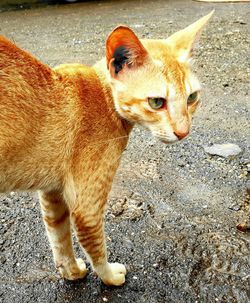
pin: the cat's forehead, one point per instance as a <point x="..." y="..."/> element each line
<point x="146" y="81"/>
<point x="163" y="76"/>
<point x="160" y="51"/>
<point x="176" y="73"/>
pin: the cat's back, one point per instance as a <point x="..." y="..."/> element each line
<point x="26" y="98"/>
<point x="24" y="80"/>
<point x="24" y="84"/>
<point x="15" y="61"/>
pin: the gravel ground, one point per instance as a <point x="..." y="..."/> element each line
<point x="173" y="209"/>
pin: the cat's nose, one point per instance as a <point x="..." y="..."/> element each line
<point x="181" y="134"/>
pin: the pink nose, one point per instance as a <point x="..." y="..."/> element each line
<point x="180" y="135"/>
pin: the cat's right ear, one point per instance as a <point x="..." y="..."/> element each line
<point x="123" y="48"/>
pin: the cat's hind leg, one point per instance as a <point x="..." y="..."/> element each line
<point x="57" y="222"/>
<point x="89" y="228"/>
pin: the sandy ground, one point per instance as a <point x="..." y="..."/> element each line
<point x="173" y="209"/>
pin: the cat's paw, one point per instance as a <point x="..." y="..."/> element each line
<point x="114" y="274"/>
<point x="74" y="271"/>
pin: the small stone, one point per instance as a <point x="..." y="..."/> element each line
<point x="138" y="25"/>
<point x="224" y="150"/>
<point x="104" y="299"/>
<point x="235" y="207"/>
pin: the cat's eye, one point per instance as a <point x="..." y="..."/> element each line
<point x="193" y="98"/>
<point x="156" y="103"/>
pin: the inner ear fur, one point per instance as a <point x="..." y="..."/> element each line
<point x="124" y="47"/>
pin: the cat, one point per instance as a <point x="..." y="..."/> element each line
<point x="63" y="130"/>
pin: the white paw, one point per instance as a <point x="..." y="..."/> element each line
<point x="74" y="271"/>
<point x="114" y="274"/>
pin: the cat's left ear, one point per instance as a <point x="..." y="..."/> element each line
<point x="123" y="48"/>
<point x="184" y="40"/>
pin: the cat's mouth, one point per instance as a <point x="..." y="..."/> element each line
<point x="170" y="138"/>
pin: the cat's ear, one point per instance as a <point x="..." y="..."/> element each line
<point x="183" y="41"/>
<point x="123" y="48"/>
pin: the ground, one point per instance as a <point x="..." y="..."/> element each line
<point x="173" y="210"/>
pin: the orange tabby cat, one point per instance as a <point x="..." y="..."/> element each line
<point x="62" y="131"/>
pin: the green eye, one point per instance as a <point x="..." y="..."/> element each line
<point x="193" y="97"/>
<point x="156" y="103"/>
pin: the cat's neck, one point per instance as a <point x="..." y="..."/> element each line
<point x="104" y="77"/>
<point x="93" y="96"/>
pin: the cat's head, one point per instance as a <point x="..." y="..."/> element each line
<point x="152" y="82"/>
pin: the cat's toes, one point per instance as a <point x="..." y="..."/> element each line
<point x="115" y="274"/>
<point x="74" y="271"/>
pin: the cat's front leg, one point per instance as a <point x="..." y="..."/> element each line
<point x="56" y="219"/>
<point x="89" y="227"/>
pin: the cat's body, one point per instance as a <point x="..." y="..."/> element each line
<point x="63" y="131"/>
<point x="35" y="150"/>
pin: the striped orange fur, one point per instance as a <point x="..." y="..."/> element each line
<point x="63" y="130"/>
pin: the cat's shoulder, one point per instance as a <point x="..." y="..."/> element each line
<point x="71" y="68"/>
<point x="77" y="73"/>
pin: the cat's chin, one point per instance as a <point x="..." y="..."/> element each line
<point x="166" y="141"/>
<point x="171" y="141"/>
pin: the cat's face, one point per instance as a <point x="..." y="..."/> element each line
<point x="152" y="81"/>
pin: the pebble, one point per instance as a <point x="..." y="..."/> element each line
<point x="235" y="207"/>
<point x="224" y="150"/>
<point x="139" y="25"/>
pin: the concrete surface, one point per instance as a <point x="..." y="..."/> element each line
<point x="173" y="209"/>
